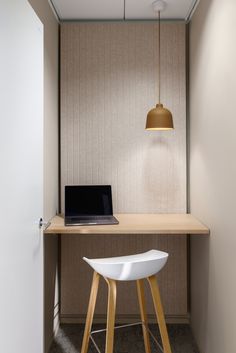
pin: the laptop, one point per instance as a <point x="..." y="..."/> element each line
<point x="88" y="205"/>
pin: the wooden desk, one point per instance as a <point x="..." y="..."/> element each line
<point x="136" y="224"/>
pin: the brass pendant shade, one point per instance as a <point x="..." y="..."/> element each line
<point x="159" y="118"/>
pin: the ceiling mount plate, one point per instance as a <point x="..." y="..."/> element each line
<point x="159" y="5"/>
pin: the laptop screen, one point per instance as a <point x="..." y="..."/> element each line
<point x="88" y="200"/>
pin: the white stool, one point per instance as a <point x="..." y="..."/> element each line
<point x="127" y="268"/>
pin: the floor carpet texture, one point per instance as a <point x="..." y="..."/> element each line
<point x="127" y="340"/>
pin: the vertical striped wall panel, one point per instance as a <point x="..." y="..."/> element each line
<point x="108" y="84"/>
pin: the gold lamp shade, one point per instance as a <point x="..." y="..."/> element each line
<point x="159" y="118"/>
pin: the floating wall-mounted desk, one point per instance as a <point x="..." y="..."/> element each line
<point x="134" y="233"/>
<point x="135" y="224"/>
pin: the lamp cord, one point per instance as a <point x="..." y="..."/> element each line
<point x="159" y="56"/>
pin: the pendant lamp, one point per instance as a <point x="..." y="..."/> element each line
<point x="159" y="118"/>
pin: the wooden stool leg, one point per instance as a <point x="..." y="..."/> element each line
<point x="143" y="314"/>
<point x="111" y="309"/>
<point x="90" y="313"/>
<point x="159" y="313"/>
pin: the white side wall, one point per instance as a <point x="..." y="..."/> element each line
<point x="21" y="178"/>
<point x="213" y="174"/>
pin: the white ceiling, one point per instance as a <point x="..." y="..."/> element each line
<point x="121" y="9"/>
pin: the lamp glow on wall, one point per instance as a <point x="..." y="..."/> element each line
<point x="159" y="118"/>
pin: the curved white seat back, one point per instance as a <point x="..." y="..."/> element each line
<point x="129" y="268"/>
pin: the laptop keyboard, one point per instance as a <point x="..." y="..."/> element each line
<point x="88" y="218"/>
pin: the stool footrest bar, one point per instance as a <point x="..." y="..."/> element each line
<point x="123" y="326"/>
<point x="117" y="327"/>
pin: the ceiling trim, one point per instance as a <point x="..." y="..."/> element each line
<point x="54" y="10"/>
<point x="191" y="11"/>
<point x="166" y="20"/>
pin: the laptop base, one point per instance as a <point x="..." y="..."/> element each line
<point x="89" y="221"/>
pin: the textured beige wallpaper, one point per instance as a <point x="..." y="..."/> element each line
<point x="108" y="84"/>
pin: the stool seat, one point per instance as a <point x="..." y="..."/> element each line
<point x="131" y="267"/>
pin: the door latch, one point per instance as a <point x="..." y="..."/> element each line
<point x="44" y="224"/>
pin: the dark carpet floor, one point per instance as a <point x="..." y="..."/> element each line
<point x="127" y="340"/>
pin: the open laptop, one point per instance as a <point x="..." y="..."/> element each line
<point x="88" y="205"/>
